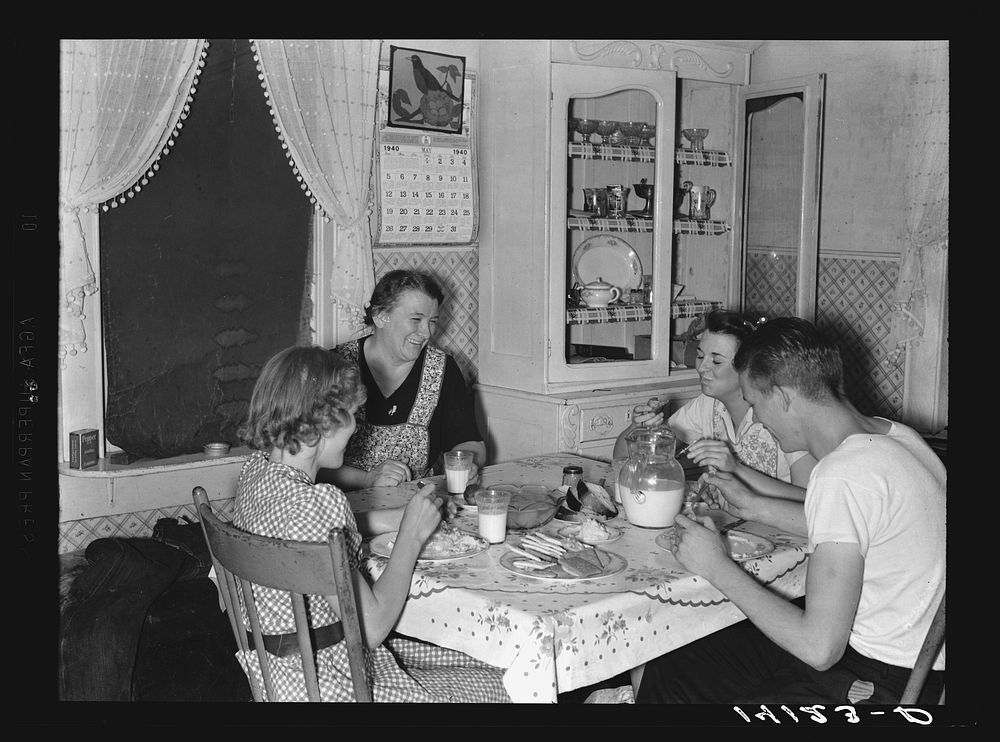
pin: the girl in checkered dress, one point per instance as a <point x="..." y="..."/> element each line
<point x="301" y="418"/>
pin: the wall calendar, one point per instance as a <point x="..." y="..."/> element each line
<point x="427" y="185"/>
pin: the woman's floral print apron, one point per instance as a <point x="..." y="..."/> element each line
<point x="408" y="442"/>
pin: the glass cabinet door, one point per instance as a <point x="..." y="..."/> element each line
<point x="778" y="148"/>
<point x="612" y="135"/>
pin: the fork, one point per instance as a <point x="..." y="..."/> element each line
<point x="684" y="450"/>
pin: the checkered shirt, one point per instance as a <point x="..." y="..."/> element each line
<point x="281" y="501"/>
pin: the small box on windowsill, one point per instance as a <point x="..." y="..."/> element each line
<point x="83" y="448"/>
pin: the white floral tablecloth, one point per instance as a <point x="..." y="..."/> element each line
<point x="555" y="636"/>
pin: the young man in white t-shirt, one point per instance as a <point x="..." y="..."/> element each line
<point x="874" y="513"/>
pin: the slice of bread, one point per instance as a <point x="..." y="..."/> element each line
<point x="589" y="555"/>
<point x="597" y="500"/>
<point x="586" y="562"/>
<point x="602" y="558"/>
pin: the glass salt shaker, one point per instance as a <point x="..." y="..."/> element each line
<point x="572" y="476"/>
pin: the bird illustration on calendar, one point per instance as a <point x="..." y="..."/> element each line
<point x="426" y="90"/>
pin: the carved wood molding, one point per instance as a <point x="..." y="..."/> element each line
<point x="615" y="48"/>
<point x="687" y="58"/>
<point x="569" y="428"/>
<point x="602" y="424"/>
<point x="658" y="57"/>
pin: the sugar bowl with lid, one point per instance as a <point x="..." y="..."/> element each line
<point x="599" y="293"/>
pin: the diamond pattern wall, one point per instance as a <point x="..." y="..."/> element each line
<point x="75" y="535"/>
<point x="853" y="301"/>
<point x="770" y="284"/>
<point x="457" y="270"/>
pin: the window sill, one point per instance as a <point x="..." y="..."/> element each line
<point x="107" y="489"/>
<point x="105" y="469"/>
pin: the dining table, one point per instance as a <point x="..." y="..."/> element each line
<point x="556" y="635"/>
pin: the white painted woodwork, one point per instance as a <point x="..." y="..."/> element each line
<point x="619" y="95"/>
<point x="530" y="399"/>
<point x="583" y="422"/>
<point x="111" y="490"/>
<point x="811" y="88"/>
<point x="697" y="60"/>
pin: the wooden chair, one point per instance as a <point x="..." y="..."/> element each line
<point x="929" y="651"/>
<point x="294" y="566"/>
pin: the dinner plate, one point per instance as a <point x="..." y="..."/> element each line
<point x="557" y="573"/>
<point x="572" y="531"/>
<point x="434" y="550"/>
<point x="743" y="545"/>
<point x="608" y="258"/>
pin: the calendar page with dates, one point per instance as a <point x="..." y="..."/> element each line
<point x="427" y="185"/>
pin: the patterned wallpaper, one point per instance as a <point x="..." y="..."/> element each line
<point x="853" y="304"/>
<point x="76" y="534"/>
<point x="457" y="270"/>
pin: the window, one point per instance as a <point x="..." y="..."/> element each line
<point x="203" y="276"/>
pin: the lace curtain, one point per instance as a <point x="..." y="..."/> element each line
<point x="322" y="94"/>
<point x="121" y="105"/>
<point x="925" y="195"/>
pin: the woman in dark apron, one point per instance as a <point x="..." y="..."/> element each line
<point x="418" y="403"/>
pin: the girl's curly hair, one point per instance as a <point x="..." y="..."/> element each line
<point x="302" y="392"/>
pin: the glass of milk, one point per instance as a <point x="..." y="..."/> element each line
<point x="457" y="468"/>
<point x="492" y="504"/>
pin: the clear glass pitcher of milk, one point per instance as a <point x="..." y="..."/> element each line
<point x="651" y="483"/>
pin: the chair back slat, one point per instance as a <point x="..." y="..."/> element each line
<point x="226" y="585"/>
<point x="231" y="595"/>
<point x="305" y="646"/>
<point x="349" y="614"/>
<point x="296" y="567"/>
<point x="224" y="579"/>
<point x="929" y="651"/>
<point x="250" y="602"/>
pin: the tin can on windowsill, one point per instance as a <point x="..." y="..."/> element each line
<point x="216" y="449"/>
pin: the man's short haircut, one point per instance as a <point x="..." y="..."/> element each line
<point x="791" y="352"/>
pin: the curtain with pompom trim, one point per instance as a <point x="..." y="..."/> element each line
<point x="323" y="94"/>
<point x="122" y="102"/>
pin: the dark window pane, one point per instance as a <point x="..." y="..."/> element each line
<point x="203" y="272"/>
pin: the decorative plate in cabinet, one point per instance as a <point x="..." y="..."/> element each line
<point x="609" y="258"/>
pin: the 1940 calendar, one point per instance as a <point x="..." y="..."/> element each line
<point x="427" y="186"/>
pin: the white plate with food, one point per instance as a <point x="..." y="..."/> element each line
<point x="443" y="545"/>
<point x="743" y="545"/>
<point x="591" y="531"/>
<point x="565" y="569"/>
<point x="608" y="258"/>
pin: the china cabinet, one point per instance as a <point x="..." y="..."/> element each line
<point x="566" y="204"/>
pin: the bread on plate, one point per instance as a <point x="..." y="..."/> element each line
<point x="587" y="499"/>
